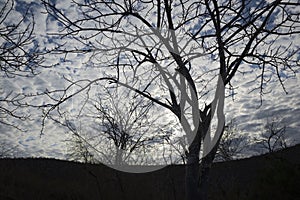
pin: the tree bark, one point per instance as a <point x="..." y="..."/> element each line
<point x="197" y="175"/>
<point x="205" y="167"/>
<point x="192" y="174"/>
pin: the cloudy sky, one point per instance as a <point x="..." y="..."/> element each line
<point x="245" y="107"/>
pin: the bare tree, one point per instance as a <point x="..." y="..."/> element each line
<point x="181" y="55"/>
<point x="79" y="150"/>
<point x="232" y="143"/>
<point x="129" y="125"/>
<point x="273" y="137"/>
<point x="178" y="149"/>
<point x="120" y="130"/>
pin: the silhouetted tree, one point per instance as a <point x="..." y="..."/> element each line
<point x="178" y="149"/>
<point x="273" y="136"/>
<point x="232" y="143"/>
<point x="121" y="130"/>
<point x="181" y="55"/>
<point x="78" y="149"/>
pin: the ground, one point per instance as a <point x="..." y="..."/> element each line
<point x="270" y="176"/>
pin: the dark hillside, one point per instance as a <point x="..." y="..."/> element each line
<point x="275" y="176"/>
<point x="270" y="176"/>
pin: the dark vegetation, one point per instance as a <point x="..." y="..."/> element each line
<point x="270" y="176"/>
